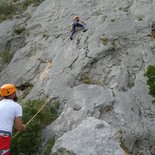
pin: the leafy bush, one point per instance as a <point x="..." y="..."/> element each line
<point x="6" y="56"/>
<point x="49" y="146"/>
<point x="151" y="79"/>
<point x="28" y="142"/>
<point x="7" y="7"/>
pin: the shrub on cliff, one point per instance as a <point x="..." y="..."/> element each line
<point x="7" y="8"/>
<point x="29" y="141"/>
<point x="151" y="79"/>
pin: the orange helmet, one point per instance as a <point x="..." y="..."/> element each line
<point x="76" y="17"/>
<point x="7" y="90"/>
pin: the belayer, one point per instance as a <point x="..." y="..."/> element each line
<point x="10" y="112"/>
<point x="77" y="23"/>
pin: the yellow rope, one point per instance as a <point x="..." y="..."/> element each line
<point x="33" y="117"/>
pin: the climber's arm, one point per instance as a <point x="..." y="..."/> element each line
<point x="82" y="22"/>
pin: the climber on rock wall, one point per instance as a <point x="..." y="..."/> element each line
<point x="77" y="23"/>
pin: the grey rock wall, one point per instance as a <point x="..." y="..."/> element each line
<point x="100" y="74"/>
<point x="91" y="137"/>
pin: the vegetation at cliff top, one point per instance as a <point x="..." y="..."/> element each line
<point x="10" y="7"/>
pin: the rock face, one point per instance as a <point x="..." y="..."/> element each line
<point x="91" y="137"/>
<point x="100" y="74"/>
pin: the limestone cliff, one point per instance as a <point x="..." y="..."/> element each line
<point x="99" y="76"/>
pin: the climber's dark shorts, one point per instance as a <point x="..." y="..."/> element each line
<point x="74" y="27"/>
<point x="77" y="25"/>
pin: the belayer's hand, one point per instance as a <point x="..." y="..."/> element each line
<point x="23" y="127"/>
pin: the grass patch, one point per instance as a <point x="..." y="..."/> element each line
<point x="108" y="108"/>
<point x="45" y="35"/>
<point x="7" y="8"/>
<point x="151" y="79"/>
<point x="6" y="56"/>
<point x="29" y="141"/>
<point x="26" y="3"/>
<point x="122" y="145"/>
<point x="104" y="40"/>
<point x="49" y="146"/>
<point x="19" y="29"/>
<point x="85" y="78"/>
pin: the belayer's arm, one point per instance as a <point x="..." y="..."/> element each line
<point x="19" y="125"/>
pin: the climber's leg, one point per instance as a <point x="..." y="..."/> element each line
<point x="73" y="31"/>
